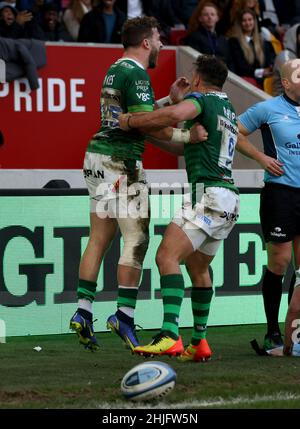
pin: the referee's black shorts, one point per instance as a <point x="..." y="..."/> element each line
<point x="280" y="212"/>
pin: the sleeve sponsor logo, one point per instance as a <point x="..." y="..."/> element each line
<point x="143" y="96"/>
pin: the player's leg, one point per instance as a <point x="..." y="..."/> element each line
<point x="135" y="234"/>
<point x="102" y="231"/>
<point x="201" y="295"/>
<point x="174" y="248"/>
<point x="103" y="227"/>
<point x="279" y="257"/>
<point x="277" y="212"/>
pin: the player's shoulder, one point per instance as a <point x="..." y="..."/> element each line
<point x="129" y="66"/>
<point x="272" y="101"/>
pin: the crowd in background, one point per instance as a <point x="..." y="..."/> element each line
<point x="253" y="37"/>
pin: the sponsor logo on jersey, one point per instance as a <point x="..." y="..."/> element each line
<point x="229" y="216"/>
<point x="205" y="219"/>
<point x="142" y="85"/>
<point x="143" y="96"/>
<point x="95" y="173"/>
<point x="224" y="123"/>
<point x="291" y="145"/>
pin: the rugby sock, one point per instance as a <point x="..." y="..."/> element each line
<point x="85" y="304"/>
<point x="86" y="290"/>
<point x="172" y="292"/>
<point x="272" y="291"/>
<point x="127" y="296"/>
<point x="201" y="298"/>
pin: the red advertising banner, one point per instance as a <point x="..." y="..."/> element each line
<point x="49" y="128"/>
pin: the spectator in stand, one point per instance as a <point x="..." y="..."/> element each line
<point x="202" y="34"/>
<point x="54" y="30"/>
<point x="103" y="24"/>
<point x="252" y="57"/>
<point x="266" y="34"/>
<point x="291" y="43"/>
<point x="73" y="15"/>
<point x="17" y="25"/>
<point x="237" y="6"/>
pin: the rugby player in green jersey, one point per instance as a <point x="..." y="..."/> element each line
<point x="116" y="180"/>
<point x="195" y="234"/>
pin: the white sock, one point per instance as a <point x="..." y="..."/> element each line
<point x="129" y="311"/>
<point x="85" y="304"/>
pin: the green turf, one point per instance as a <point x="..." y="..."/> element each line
<point x="64" y="375"/>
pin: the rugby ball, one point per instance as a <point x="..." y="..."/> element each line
<point x="148" y="380"/>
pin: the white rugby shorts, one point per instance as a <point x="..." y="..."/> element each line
<point x="210" y="220"/>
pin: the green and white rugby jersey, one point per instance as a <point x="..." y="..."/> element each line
<point x="126" y="88"/>
<point x="210" y="162"/>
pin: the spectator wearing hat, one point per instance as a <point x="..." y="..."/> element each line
<point x="16" y="25"/>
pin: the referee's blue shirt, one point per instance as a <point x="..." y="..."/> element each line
<point x="279" y="121"/>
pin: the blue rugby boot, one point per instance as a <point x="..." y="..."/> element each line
<point x="125" y="330"/>
<point x="85" y="331"/>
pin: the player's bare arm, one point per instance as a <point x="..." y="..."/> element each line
<point x="159" y="118"/>
<point x="165" y="139"/>
<point x="272" y="165"/>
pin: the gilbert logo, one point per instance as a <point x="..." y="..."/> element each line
<point x="2" y="331"/>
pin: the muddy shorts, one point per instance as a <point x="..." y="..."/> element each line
<point x="116" y="187"/>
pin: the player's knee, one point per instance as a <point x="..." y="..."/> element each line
<point x="99" y="242"/>
<point x="200" y="277"/>
<point x="280" y="267"/>
<point x="134" y="252"/>
<point x="163" y="257"/>
<point x="279" y="264"/>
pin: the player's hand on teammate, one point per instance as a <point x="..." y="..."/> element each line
<point x="178" y="89"/>
<point x="123" y="121"/>
<point x="198" y="133"/>
<point x="271" y="165"/>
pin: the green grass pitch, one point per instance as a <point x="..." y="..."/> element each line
<point x="63" y="375"/>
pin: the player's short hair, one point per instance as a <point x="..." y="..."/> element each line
<point x="212" y="70"/>
<point x="135" y="30"/>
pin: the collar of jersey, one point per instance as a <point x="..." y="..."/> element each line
<point x="289" y="100"/>
<point x="131" y="59"/>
